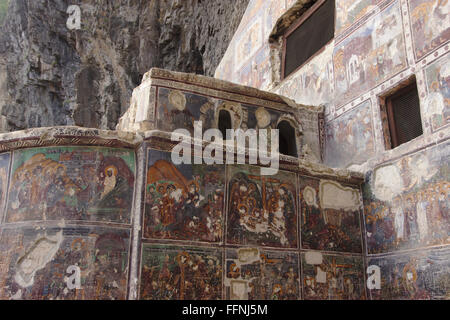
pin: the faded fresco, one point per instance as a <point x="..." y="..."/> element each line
<point x="249" y="50"/>
<point x="437" y="102"/>
<point x="369" y="56"/>
<point x="252" y="274"/>
<point x="312" y="84"/>
<point x="257" y="72"/>
<point x="183" y="202"/>
<point x="180" y="273"/>
<point x="349" y="138"/>
<point x="332" y="277"/>
<point x="70" y="263"/>
<point x="249" y="42"/>
<point x="71" y="183"/>
<point x="407" y="202"/>
<point x="350" y="11"/>
<point x="430" y="24"/>
<point x="4" y="174"/>
<point x="261" y="209"/>
<point x="178" y="110"/>
<point x="326" y="228"/>
<point x="420" y="275"/>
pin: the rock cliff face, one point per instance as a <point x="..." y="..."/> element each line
<point x="50" y="75"/>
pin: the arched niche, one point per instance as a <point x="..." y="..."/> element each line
<point x="290" y="132"/>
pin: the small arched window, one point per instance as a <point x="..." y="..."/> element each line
<point x="287" y="141"/>
<point x="224" y="122"/>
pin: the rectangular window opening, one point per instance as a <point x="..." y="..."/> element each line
<point x="312" y="31"/>
<point x="403" y="115"/>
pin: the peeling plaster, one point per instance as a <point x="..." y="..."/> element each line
<point x="36" y="258"/>
<point x="334" y="196"/>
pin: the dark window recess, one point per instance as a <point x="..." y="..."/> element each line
<point x="403" y="108"/>
<point x="309" y="37"/>
<point x="287" y="144"/>
<point x="224" y="122"/>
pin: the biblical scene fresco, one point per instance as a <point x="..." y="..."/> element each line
<point x="407" y="202"/>
<point x="430" y="24"/>
<point x="71" y="183"/>
<point x="330" y="277"/>
<point x="252" y="274"/>
<point x="178" y="110"/>
<point x="437" y="102"/>
<point x="4" y="173"/>
<point x="261" y="209"/>
<point x="421" y="275"/>
<point x="70" y="263"/>
<point x="183" y="202"/>
<point x="369" y="56"/>
<point x="325" y="227"/>
<point x="179" y="273"/>
<point x="349" y="138"/>
<point x="350" y="11"/>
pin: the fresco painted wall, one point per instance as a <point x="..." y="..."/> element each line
<point x="430" y="22"/>
<point x="420" y="275"/>
<point x="183" y="202"/>
<point x="180" y="273"/>
<point x="66" y="227"/>
<point x="234" y="234"/>
<point x="437" y="102"/>
<point x="252" y="274"/>
<point x="177" y="109"/>
<point x="262" y="209"/>
<point x="324" y="227"/>
<point x="313" y="83"/>
<point x="4" y="174"/>
<point x="379" y="45"/>
<point x="350" y="138"/>
<point x="247" y="59"/>
<point x="350" y="11"/>
<point x="71" y="183"/>
<point x="371" y="55"/>
<point x="330" y="277"/>
<point x="406" y="202"/>
<point x="45" y="263"/>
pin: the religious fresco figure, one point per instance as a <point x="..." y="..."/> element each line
<point x="183" y="202"/>
<point x="71" y="183"/>
<point x="333" y="278"/>
<point x="180" y="273"/>
<point x="417" y="207"/>
<point x="267" y="275"/>
<point x="262" y="210"/>
<point x="38" y="263"/>
<point x="327" y="228"/>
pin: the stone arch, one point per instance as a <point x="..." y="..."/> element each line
<point x="237" y="115"/>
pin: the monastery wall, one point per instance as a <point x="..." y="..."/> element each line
<point x="406" y="192"/>
<point x="93" y="214"/>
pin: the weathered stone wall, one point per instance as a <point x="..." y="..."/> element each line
<point x="386" y="43"/>
<point x="50" y="75"/>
